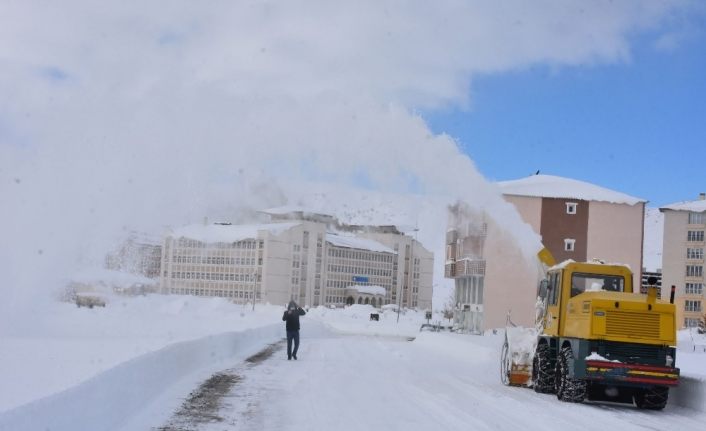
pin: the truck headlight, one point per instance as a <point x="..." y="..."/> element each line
<point x="669" y="361"/>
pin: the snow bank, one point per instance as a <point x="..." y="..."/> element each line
<point x="65" y="346"/>
<point x="355" y="319"/>
<point x="107" y="400"/>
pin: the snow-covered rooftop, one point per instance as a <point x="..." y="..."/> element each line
<point x="288" y="209"/>
<point x="358" y="243"/>
<point x="370" y="290"/>
<point x="696" y="206"/>
<point x="229" y="233"/>
<point x="550" y="186"/>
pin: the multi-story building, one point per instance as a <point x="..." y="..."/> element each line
<point x="412" y="267"/>
<point x="683" y="258"/>
<point x="304" y="256"/>
<point x="465" y="263"/>
<point x="352" y="262"/>
<point x="575" y="220"/>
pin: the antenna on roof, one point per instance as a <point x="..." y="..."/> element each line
<point x="537" y="173"/>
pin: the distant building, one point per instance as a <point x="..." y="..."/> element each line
<point x="139" y="254"/>
<point x="683" y="258"/>
<point x="576" y="220"/>
<point x="305" y="256"/>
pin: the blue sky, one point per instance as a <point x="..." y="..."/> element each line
<point x="638" y="127"/>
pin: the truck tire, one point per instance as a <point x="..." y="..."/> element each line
<point x="542" y="370"/>
<point x="568" y="389"/>
<point x="654" y="398"/>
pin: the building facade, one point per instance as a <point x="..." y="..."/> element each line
<point x="683" y="258"/>
<point x="575" y="220"/>
<point x="301" y="256"/>
<point x="412" y="267"/>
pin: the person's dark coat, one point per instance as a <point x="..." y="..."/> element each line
<point x="291" y="316"/>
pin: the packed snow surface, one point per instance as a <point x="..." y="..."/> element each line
<point x="550" y="186"/>
<point x="130" y="365"/>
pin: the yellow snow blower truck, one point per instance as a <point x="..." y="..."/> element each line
<point x="598" y="339"/>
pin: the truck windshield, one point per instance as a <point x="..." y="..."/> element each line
<point x="595" y="282"/>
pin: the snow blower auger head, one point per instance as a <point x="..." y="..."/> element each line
<point x="516" y="356"/>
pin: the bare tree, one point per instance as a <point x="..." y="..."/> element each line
<point x="448" y="310"/>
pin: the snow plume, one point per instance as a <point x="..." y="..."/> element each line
<point x="131" y="115"/>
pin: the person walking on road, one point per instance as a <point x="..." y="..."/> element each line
<point x="291" y="316"/>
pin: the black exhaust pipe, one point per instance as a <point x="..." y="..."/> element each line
<point x="671" y="295"/>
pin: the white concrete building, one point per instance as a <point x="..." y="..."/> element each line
<point x="304" y="256"/>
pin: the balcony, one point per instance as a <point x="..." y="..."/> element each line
<point x="450" y="270"/>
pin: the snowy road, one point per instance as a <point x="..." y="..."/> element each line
<point x="361" y="382"/>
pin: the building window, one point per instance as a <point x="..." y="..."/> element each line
<point x="694" y="288"/>
<point x="571" y="207"/>
<point x="694" y="253"/>
<point x="691" y="323"/>
<point x="569" y="244"/>
<point x="697" y="218"/>
<point x="694" y="271"/>
<point x="690" y="305"/>
<point x="695" y="236"/>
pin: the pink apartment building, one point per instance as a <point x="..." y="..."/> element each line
<point x="576" y="220"/>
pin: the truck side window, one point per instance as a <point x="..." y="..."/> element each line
<point x="554" y="286"/>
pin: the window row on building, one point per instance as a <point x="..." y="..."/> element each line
<point x="215" y="260"/>
<point x="695" y="236"/>
<point x="697" y="217"/>
<point x="695" y="253"/>
<point x="223" y="293"/>
<point x="360" y="270"/>
<point x="215" y="276"/>
<point x="359" y="255"/>
<point x="692" y="305"/>
<point x="694" y="288"/>
<point x="694" y="271"/>
<point x="242" y="245"/>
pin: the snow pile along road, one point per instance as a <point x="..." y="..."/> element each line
<point x="111" y="399"/>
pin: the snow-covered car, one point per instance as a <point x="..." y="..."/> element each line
<point x="90" y="300"/>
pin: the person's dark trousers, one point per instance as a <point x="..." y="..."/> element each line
<point x="292" y="335"/>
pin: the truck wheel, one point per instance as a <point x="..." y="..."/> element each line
<point x="568" y="389"/>
<point x="654" y="398"/>
<point x="542" y="371"/>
